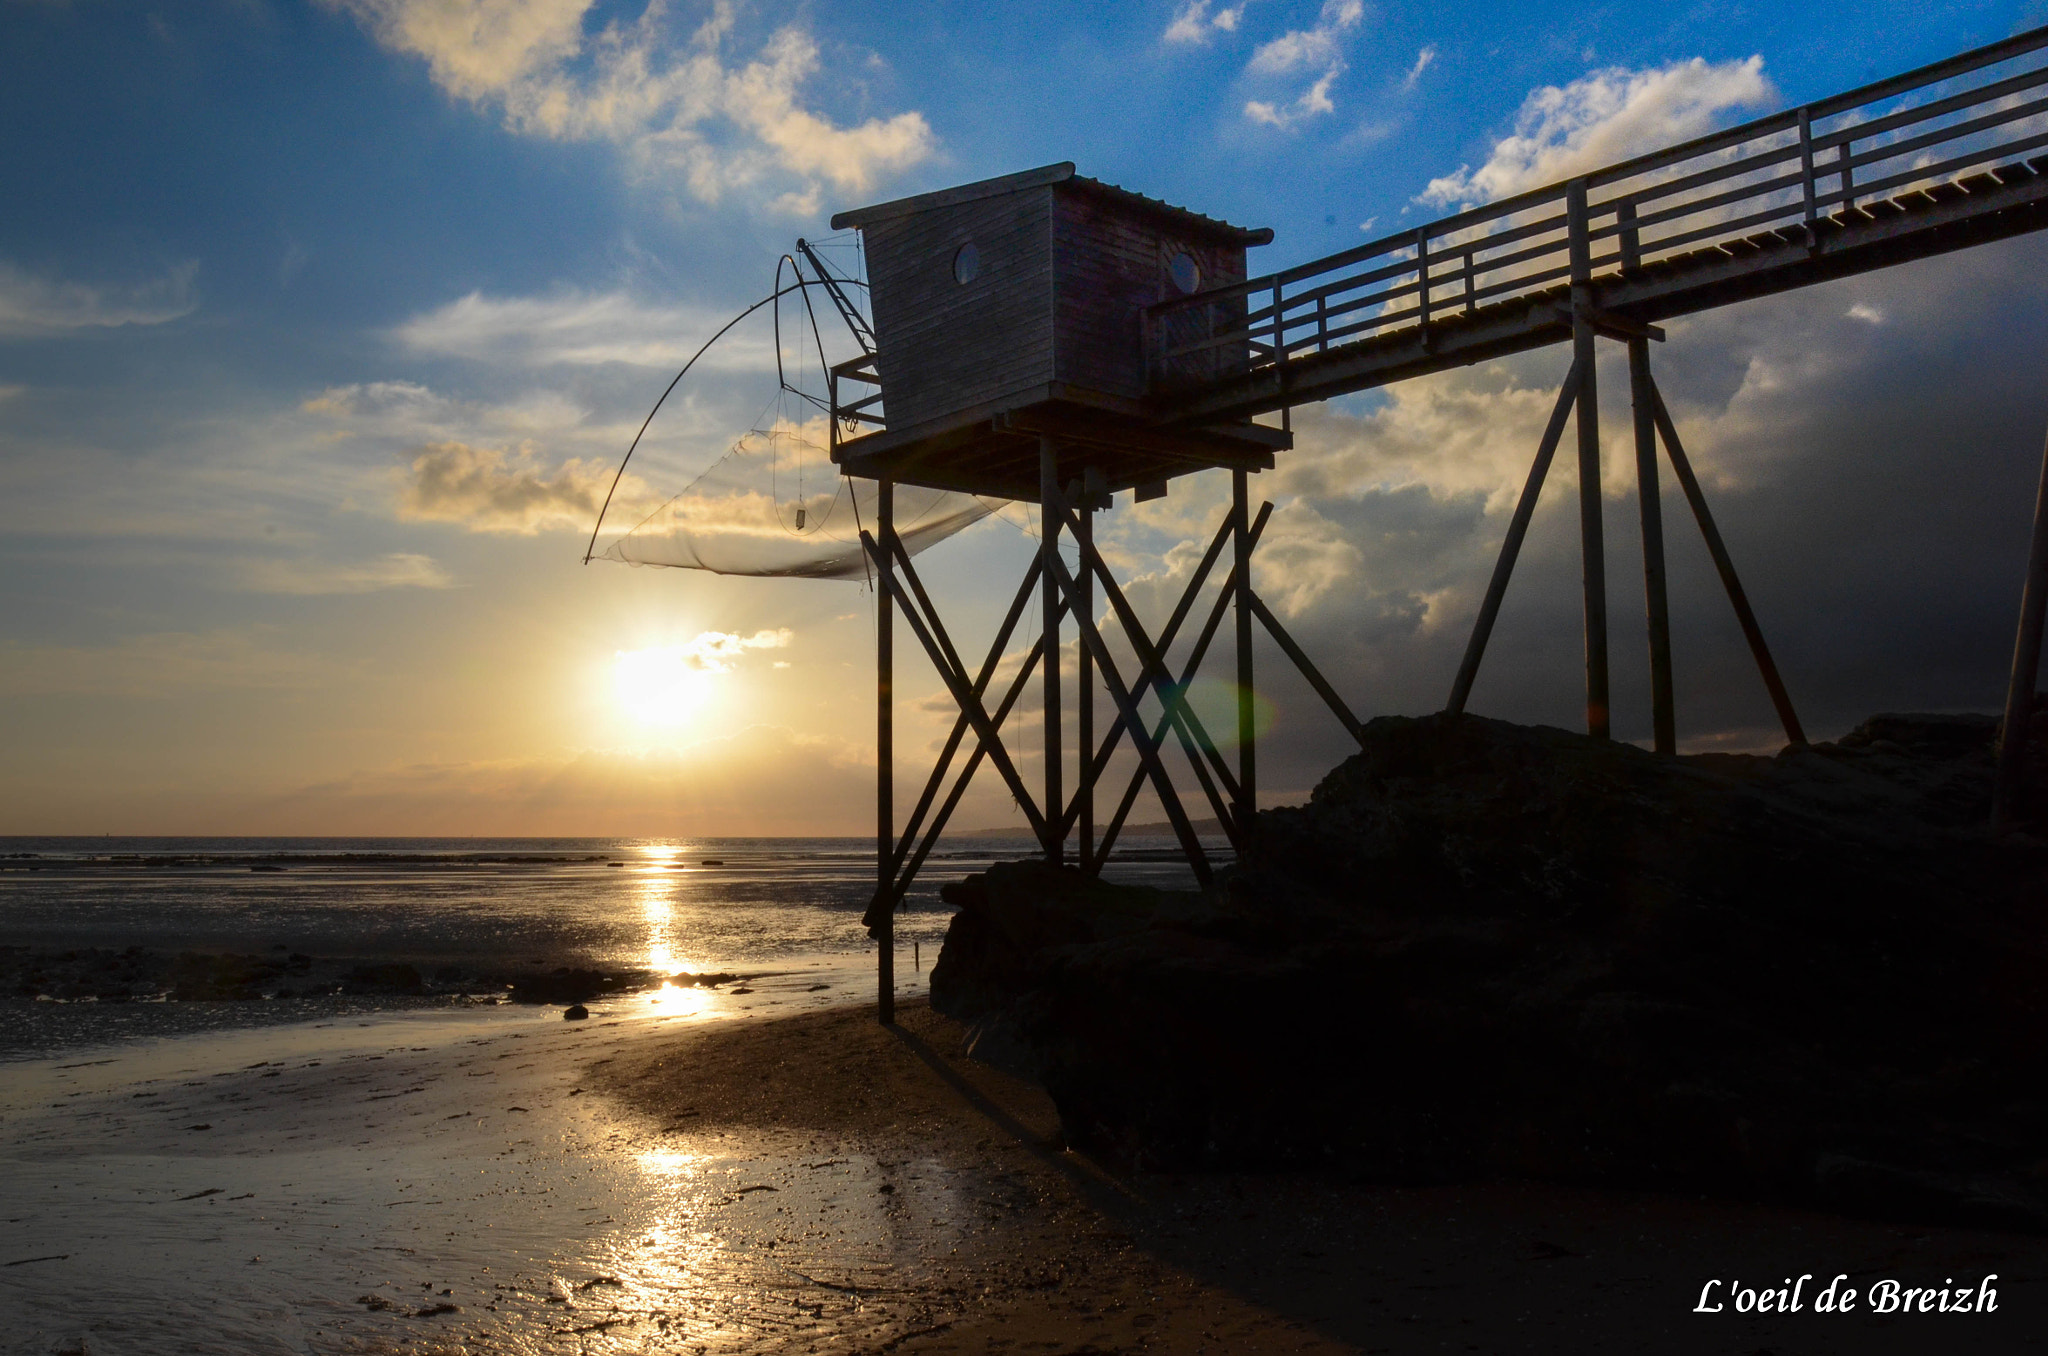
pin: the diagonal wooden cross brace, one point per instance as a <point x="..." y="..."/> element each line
<point x="1152" y="670"/>
<point x="896" y="875"/>
<point x="1127" y="711"/>
<point x="900" y="875"/>
<point x="1186" y="728"/>
<point x="963" y="695"/>
<point x="1217" y="610"/>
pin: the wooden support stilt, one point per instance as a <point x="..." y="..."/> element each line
<point x="1657" y="605"/>
<point x="1054" y="830"/>
<point x="1681" y="468"/>
<point x="1591" y="538"/>
<point x="885" y="773"/>
<point x="1511" y="545"/>
<point x="1084" y="699"/>
<point x="2026" y="668"/>
<point x="1247" y="734"/>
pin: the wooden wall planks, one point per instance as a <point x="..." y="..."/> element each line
<point x="1065" y="276"/>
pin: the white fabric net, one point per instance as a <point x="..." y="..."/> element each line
<point x="775" y="505"/>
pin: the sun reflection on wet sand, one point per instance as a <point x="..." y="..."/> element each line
<point x="367" y="1187"/>
<point x="673" y="1000"/>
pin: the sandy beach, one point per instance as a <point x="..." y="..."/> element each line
<point x="771" y="1170"/>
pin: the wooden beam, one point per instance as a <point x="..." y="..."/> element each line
<point x="1681" y="467"/>
<point x="1511" y="545"/>
<point x="1592" y="536"/>
<point x="1247" y="807"/>
<point x="963" y="696"/>
<point x="885" y="775"/>
<point x="1656" y="603"/>
<point x="1049" y="518"/>
<point x="1127" y="711"/>
<point x="2026" y="665"/>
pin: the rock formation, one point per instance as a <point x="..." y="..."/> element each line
<point x="1490" y="949"/>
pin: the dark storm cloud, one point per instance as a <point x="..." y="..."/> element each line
<point x="1870" y="450"/>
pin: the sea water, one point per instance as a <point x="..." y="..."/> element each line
<point x="659" y="905"/>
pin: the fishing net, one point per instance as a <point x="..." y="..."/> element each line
<point x="775" y="505"/>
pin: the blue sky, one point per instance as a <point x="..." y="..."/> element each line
<point x="319" y="321"/>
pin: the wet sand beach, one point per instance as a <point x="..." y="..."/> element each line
<point x="773" y="1171"/>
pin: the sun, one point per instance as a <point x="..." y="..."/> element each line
<point x="661" y="687"/>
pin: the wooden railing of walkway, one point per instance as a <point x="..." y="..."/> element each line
<point x="1927" y="162"/>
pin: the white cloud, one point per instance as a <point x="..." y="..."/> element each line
<point x="1307" y="48"/>
<point x="33" y="307"/>
<point x="397" y="570"/>
<point x="1423" y="60"/>
<point x="678" y="107"/>
<point x="1470" y="430"/>
<point x="478" y="49"/>
<point x="491" y="490"/>
<point x="406" y="412"/>
<point x="1193" y="23"/>
<point x="1317" y="47"/>
<point x="1315" y="99"/>
<point x="1604" y="117"/>
<point x="1869" y="315"/>
<point x="718" y="651"/>
<point x="575" y="328"/>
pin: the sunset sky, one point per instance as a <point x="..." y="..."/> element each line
<point x="323" y="326"/>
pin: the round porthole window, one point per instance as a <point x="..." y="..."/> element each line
<point x="966" y="263"/>
<point x="1185" y="272"/>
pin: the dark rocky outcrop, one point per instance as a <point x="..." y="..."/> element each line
<point x="1484" y="948"/>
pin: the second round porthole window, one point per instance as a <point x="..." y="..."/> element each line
<point x="966" y="263"/>
<point x="1185" y="272"/>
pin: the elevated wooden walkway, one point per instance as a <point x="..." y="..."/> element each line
<point x="1928" y="162"/>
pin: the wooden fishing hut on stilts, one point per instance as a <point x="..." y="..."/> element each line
<point x="1049" y="338"/>
<point x="1010" y="320"/>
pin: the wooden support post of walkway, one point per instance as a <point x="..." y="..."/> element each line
<point x="2026" y="669"/>
<point x="1591" y="540"/>
<point x="1656" y="602"/>
<point x="885" y="772"/>
<point x="1247" y="734"/>
<point x="1656" y="599"/>
<point x="1681" y="467"/>
<point x="1049" y="553"/>
<point x="1511" y="545"/>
